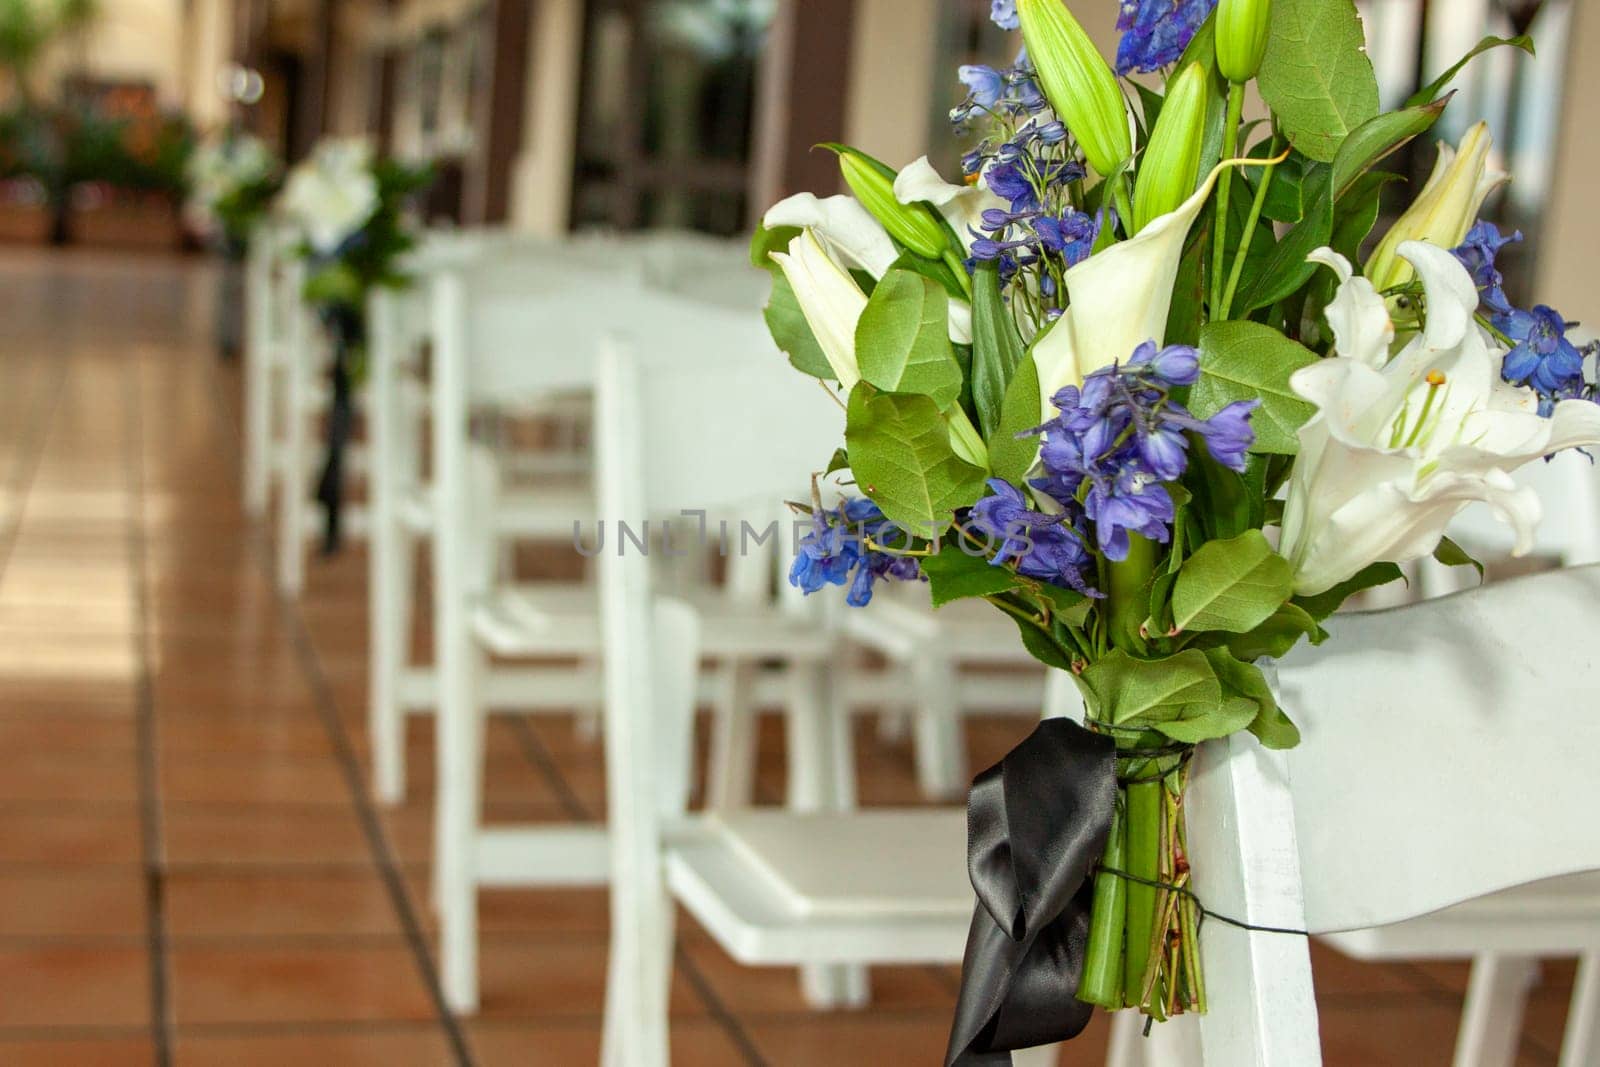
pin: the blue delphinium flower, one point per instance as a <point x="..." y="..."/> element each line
<point x="1542" y="357"/>
<point x="1046" y="547"/>
<point x="1120" y="438"/>
<point x="1477" y="253"/>
<point x="1155" y="32"/>
<point x="1004" y="14"/>
<point x="836" y="552"/>
<point x="984" y="84"/>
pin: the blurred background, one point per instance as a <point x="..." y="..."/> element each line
<point x="192" y="867"/>
<point x="550" y="115"/>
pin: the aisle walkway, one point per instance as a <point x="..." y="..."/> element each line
<point x="190" y="869"/>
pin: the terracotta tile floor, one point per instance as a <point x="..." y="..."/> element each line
<point x="190" y="869"/>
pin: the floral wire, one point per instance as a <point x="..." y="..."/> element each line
<point x="1194" y="898"/>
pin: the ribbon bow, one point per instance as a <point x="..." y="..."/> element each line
<point x="1037" y="824"/>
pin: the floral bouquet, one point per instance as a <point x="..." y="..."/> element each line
<point x="350" y="210"/>
<point x="1126" y="382"/>
<point x="232" y="182"/>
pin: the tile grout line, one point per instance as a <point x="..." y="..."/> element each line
<point x="538" y="756"/>
<point x="161" y="1016"/>
<point x="381" y="854"/>
<point x="30" y="448"/>
<point x="719" y="1011"/>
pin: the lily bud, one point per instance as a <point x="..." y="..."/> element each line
<point x="829" y="299"/>
<point x="1171" y="162"/>
<point x="1242" y="27"/>
<point x="1078" y="82"/>
<point x="1445" y="209"/>
<point x="913" y="225"/>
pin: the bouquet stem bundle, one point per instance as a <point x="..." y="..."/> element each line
<point x="1143" y="947"/>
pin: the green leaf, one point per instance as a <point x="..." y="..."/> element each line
<point x="1285" y="200"/>
<point x="1232" y="585"/>
<point x="903" y="339"/>
<point x="1316" y="76"/>
<point x="1453" y="555"/>
<point x="996" y="348"/>
<point x="1428" y="92"/>
<point x="840" y="461"/>
<point x="1356" y="214"/>
<point x="1207" y="722"/>
<point x="1320" y="605"/>
<point x="1376" y="138"/>
<point x="1134" y="692"/>
<point x="1244" y="360"/>
<point x="1012" y="457"/>
<point x="1273" y="639"/>
<point x="954" y="575"/>
<point x="901" y="456"/>
<point x="1223" y="506"/>
<point x="1270" y="725"/>
<point x="1286" y="270"/>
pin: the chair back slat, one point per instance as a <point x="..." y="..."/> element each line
<point x="1448" y="749"/>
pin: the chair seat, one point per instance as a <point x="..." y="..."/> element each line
<point x="1559" y="916"/>
<point x="775" y="887"/>
<point x="557" y="620"/>
<point x="543" y="512"/>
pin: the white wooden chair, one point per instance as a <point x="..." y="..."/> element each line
<point x="1506" y="936"/>
<point x="540" y="307"/>
<point x="773" y="887"/>
<point x="1447" y="756"/>
<point x="403" y="501"/>
<point x="479" y="324"/>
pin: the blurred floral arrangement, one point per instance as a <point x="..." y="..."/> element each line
<point x="349" y="208"/>
<point x="233" y="180"/>
<point x="1125" y="382"/>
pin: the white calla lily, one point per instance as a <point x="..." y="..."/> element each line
<point x="1120" y="298"/>
<point x="851" y="236"/>
<point x="849" y="230"/>
<point x="1398" y="447"/>
<point x="333" y="193"/>
<point x="962" y="206"/>
<point x="830" y="300"/>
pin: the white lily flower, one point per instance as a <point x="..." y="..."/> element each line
<point x="1398" y="447"/>
<point x="830" y="300"/>
<point x="1120" y="298"/>
<point x="1445" y="209"/>
<point x="333" y="193"/>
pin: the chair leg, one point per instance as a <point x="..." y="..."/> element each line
<point x="822" y="778"/>
<point x="257" y="427"/>
<point x="590" y="716"/>
<point x="1127" y="1040"/>
<point x="731" y="765"/>
<point x="1491" y="1018"/>
<point x="391" y="596"/>
<point x="940" y="748"/>
<point x="1041" y="1056"/>
<point x="293" y="492"/>
<point x="458" y="806"/>
<point x="1580" y="1045"/>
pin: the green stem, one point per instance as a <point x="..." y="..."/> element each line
<point x="1219" y="238"/>
<point x="1130" y="593"/>
<point x="959" y="269"/>
<point x="1142" y="861"/>
<point x="1103" y="959"/>
<point x="1124" y="204"/>
<point x="1249" y="231"/>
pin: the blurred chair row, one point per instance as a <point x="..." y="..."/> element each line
<point x="668" y="420"/>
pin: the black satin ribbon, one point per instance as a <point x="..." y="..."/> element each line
<point x="346" y="330"/>
<point x="1037" y="824"/>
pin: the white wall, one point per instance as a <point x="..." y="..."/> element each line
<point x="136" y="40"/>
